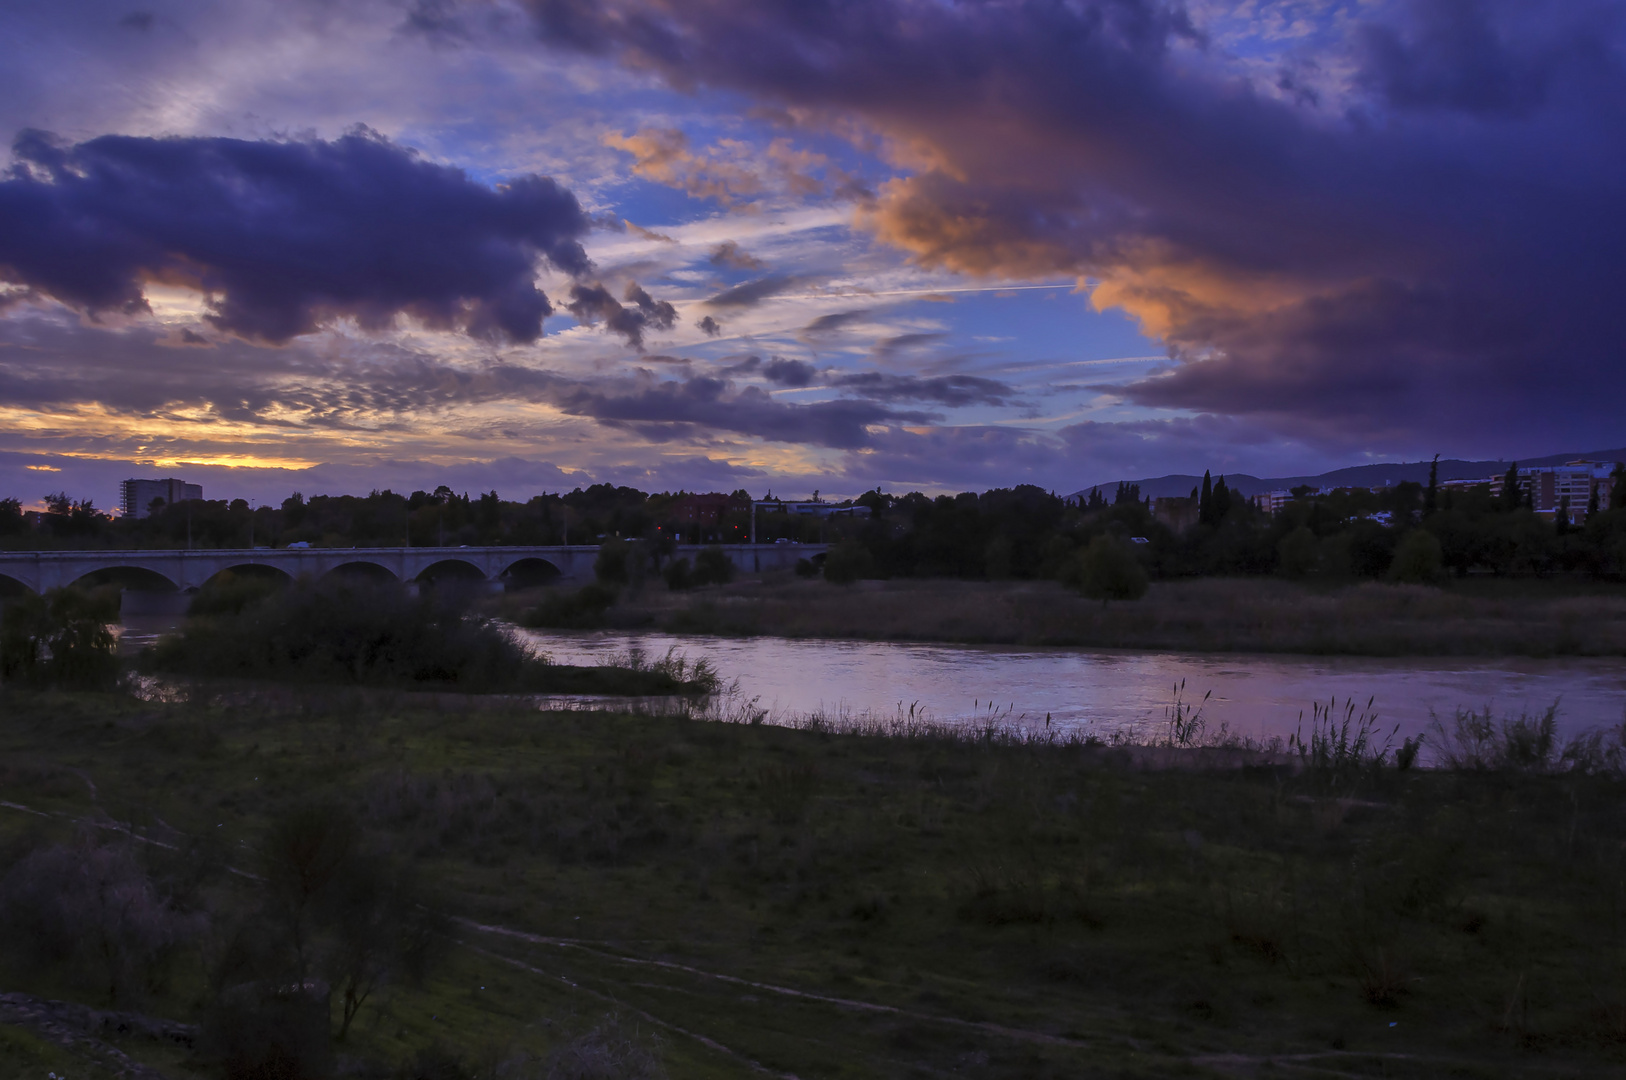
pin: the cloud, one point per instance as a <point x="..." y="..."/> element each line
<point x="284" y="237"/>
<point x="1434" y="222"/>
<point x="662" y="410"/>
<point x="754" y="292"/>
<point x="730" y="254"/>
<point x="591" y="303"/>
<point x="788" y="372"/>
<point x="733" y="171"/>
<point x="709" y="326"/>
<point x="663" y="155"/>
<point x="836" y="320"/>
<point x="954" y="391"/>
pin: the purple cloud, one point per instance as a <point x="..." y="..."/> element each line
<point x="284" y="237"/>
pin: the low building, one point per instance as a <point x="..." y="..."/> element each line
<point x="707" y="509"/>
<point x="1272" y="501"/>
<point x="137" y="496"/>
<point x="1549" y="488"/>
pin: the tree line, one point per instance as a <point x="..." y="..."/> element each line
<point x="1024" y="532"/>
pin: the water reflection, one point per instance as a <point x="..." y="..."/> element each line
<point x="1257" y="696"/>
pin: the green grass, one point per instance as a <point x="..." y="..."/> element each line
<point x="979" y="907"/>
<point x="1468" y="618"/>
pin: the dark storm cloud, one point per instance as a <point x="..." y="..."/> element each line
<point x="593" y="303"/>
<point x="1444" y="225"/>
<point x="754" y="292"/>
<point x="787" y="372"/>
<point x="709" y="326"/>
<point x="954" y="391"/>
<point x="284" y="236"/>
<point x="674" y="409"/>
<point x="778" y="370"/>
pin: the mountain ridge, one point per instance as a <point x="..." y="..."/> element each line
<point x="1177" y="484"/>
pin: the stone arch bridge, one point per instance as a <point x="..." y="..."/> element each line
<point x="188" y="570"/>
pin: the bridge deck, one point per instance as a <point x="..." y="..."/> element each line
<point x="41" y="570"/>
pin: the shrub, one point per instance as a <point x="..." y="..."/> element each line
<point x="353" y="632"/>
<point x="608" y="1052"/>
<point x="1108" y="570"/>
<point x="848" y="562"/>
<point x="677" y="575"/>
<point x="92" y="907"/>
<point x="229" y="593"/>
<point x="713" y="567"/>
<point x="1417" y="559"/>
<point x="806" y="568"/>
<point x="60" y="639"/>
<point x="580" y="610"/>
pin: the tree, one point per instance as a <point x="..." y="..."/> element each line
<point x="1592" y="502"/>
<point x="1221" y="500"/>
<point x="1298" y="552"/>
<point x="60" y="639"/>
<point x="1617" y="489"/>
<point x="1510" y="488"/>
<point x="848" y="562"/>
<point x="1418" y="559"/>
<point x="1431" y="494"/>
<point x="1109" y="570"/>
<point x="11" y="517"/>
<point x="1205" y="501"/>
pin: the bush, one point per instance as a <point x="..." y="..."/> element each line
<point x="357" y="633"/>
<point x="611" y="565"/>
<point x="806" y="568"/>
<point x="1108" y="570"/>
<point x="1418" y="559"/>
<point x="677" y="575"/>
<point x="713" y="567"/>
<point x="847" y="563"/>
<point x="229" y="593"/>
<point x="60" y="639"/>
<point x="580" y="610"/>
<point x="93" y="908"/>
<point x="1298" y="552"/>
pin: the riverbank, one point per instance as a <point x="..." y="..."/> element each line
<point x="1261" y="615"/>
<point x="746" y="899"/>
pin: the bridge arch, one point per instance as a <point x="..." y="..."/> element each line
<point x="362" y="570"/>
<point x="450" y="571"/>
<point x="530" y="572"/>
<point x="11" y="588"/>
<point x="253" y="571"/>
<point x="127" y="575"/>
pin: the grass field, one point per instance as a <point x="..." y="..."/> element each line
<point x="723" y="900"/>
<point x="1469" y="618"/>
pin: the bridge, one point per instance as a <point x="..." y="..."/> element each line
<point x="162" y="570"/>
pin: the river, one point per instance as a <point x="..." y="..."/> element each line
<point x="1253" y="695"/>
<point x="1256" y="696"/>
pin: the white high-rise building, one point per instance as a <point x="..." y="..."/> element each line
<point x="136" y="496"/>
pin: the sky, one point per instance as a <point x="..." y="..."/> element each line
<point x="798" y="245"/>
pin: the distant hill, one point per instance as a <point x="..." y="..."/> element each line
<point x="1355" y="476"/>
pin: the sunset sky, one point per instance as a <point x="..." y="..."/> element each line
<point x="709" y="244"/>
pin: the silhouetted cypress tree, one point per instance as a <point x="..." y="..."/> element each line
<point x="1221" y="500"/>
<point x="1431" y="494"/>
<point x="1592" y="502"/>
<point x="1510" y="488"/>
<point x="1205" y="501"/>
